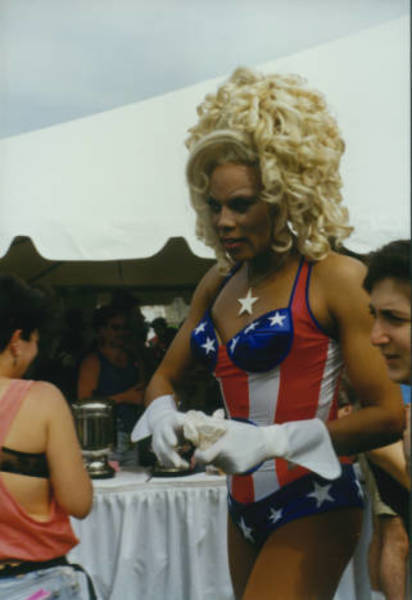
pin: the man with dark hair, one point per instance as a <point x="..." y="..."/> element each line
<point x="391" y="261"/>
<point x="389" y="285"/>
<point x="388" y="282"/>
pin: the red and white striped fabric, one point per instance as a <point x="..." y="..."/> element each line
<point x="303" y="386"/>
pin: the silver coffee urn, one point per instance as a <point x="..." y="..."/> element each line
<point x="95" y="428"/>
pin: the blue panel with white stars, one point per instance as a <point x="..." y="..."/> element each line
<point x="258" y="347"/>
<point x="306" y="496"/>
<point x="204" y="342"/>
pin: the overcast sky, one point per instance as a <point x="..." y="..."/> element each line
<point x="64" y="59"/>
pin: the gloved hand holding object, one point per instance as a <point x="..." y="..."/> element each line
<point x="164" y="423"/>
<point x="244" y="445"/>
<point x="234" y="446"/>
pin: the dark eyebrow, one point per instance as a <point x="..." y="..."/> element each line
<point x="392" y="312"/>
<point x="389" y="312"/>
<point x="250" y="197"/>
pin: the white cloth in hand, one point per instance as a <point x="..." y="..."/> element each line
<point x="244" y="446"/>
<point x="241" y="447"/>
<point x="203" y="431"/>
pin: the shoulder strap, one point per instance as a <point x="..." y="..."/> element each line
<point x="232" y="271"/>
<point x="10" y="403"/>
<point x="297" y="297"/>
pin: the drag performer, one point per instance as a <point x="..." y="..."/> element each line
<point x="275" y="320"/>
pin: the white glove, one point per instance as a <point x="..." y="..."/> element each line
<point x="163" y="422"/>
<point x="244" y="446"/>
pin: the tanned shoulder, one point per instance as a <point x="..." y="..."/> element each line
<point x="339" y="271"/>
<point x="46" y="398"/>
<point x="46" y="391"/>
<point x="209" y="286"/>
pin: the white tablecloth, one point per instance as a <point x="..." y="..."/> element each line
<point x="157" y="539"/>
<point x="165" y="539"/>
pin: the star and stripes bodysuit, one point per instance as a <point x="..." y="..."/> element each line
<point x="281" y="367"/>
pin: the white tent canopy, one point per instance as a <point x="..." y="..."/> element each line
<point x="111" y="186"/>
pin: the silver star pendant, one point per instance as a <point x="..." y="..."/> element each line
<point x="247" y="302"/>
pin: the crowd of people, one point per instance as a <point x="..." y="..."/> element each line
<point x="111" y="353"/>
<point x="276" y="321"/>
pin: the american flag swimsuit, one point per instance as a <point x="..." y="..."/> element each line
<point x="281" y="367"/>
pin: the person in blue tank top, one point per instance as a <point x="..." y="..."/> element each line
<point x="111" y="371"/>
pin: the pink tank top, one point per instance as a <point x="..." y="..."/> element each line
<point x="21" y="536"/>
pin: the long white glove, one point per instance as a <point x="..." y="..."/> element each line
<point x="163" y="422"/>
<point x="243" y="446"/>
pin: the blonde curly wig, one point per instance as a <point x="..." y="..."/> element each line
<point x="278" y="125"/>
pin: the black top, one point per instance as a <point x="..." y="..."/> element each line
<point x="24" y="463"/>
<point x="392" y="493"/>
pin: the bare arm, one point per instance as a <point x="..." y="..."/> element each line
<point x="178" y="357"/>
<point x="88" y="377"/>
<point x="380" y="420"/>
<point x="133" y="395"/>
<point x="392" y="460"/>
<point x="69" y="479"/>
